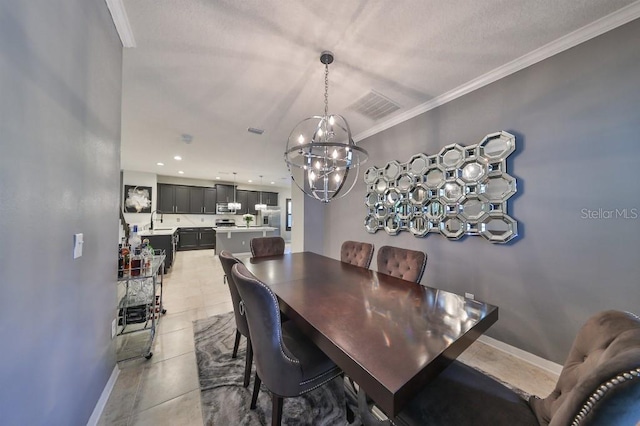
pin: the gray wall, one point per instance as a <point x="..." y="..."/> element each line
<point x="60" y="80"/>
<point x="576" y="117"/>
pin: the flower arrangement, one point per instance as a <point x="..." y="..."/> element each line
<point x="247" y="218"/>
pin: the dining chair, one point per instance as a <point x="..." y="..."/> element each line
<point x="266" y="246"/>
<point x="402" y="263"/>
<point x="599" y="385"/>
<point x="242" y="329"/>
<point x="287" y="362"/>
<point x="356" y="253"/>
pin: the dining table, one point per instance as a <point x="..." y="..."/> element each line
<point x="389" y="335"/>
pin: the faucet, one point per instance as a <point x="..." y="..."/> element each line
<point x="161" y="217"/>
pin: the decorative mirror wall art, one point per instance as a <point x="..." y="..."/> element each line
<point x="462" y="190"/>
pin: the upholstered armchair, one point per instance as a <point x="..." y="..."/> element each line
<point x="266" y="246"/>
<point x="287" y="362"/>
<point x="402" y="263"/>
<point x="356" y="253"/>
<point x="599" y="385"/>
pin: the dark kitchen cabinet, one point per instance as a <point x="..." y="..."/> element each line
<point x="173" y="198"/>
<point x="210" y="200"/>
<point x="196" y="200"/>
<point x="248" y="201"/>
<point x="167" y="243"/>
<point x="202" y="200"/>
<point x="224" y="193"/>
<point x="196" y="238"/>
<point x="270" y="198"/>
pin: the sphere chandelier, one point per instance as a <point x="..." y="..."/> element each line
<point x="322" y="158"/>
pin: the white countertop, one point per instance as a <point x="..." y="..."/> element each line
<point x="161" y="231"/>
<point x="245" y="229"/>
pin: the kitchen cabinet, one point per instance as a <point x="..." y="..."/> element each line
<point x="166" y="244"/>
<point x="270" y="198"/>
<point x="224" y="193"/>
<point x="196" y="238"/>
<point x="248" y="201"/>
<point x="173" y="198"/>
<point x="202" y="200"/>
<point x="210" y="200"/>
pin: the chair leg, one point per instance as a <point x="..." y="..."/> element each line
<point x="247" y="363"/>
<point x="256" y="389"/>
<point x="276" y="412"/>
<point x="236" y="344"/>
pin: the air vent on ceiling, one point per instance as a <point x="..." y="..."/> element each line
<point x="255" y="130"/>
<point x="373" y="105"/>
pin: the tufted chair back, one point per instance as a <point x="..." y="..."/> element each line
<point x="228" y="260"/>
<point x="603" y="365"/>
<point x="266" y="246"/>
<point x="356" y="253"/>
<point x="402" y="263"/>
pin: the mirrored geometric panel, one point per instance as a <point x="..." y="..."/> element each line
<point x="418" y="164"/>
<point x="418" y="225"/>
<point x="472" y="171"/>
<point x="434" y="177"/>
<point x="403" y="209"/>
<point x="371" y="224"/>
<point x="498" y="228"/>
<point x="452" y="228"/>
<point x="380" y="185"/>
<point x="498" y="188"/>
<point x="405" y="182"/>
<point x="370" y="175"/>
<point x="418" y="195"/>
<point x="371" y="199"/>
<point x="451" y="156"/>
<point x="392" y="196"/>
<point x="391" y="170"/>
<point x="392" y="225"/>
<point x="462" y="190"/>
<point x="473" y="209"/>
<point x="497" y="146"/>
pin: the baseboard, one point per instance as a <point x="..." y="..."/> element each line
<point x="539" y="362"/>
<point x="104" y="397"/>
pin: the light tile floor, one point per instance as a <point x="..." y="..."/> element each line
<point x="165" y="391"/>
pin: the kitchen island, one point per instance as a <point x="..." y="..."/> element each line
<point x="235" y="239"/>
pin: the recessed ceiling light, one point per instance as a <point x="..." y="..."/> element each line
<point x="218" y="177"/>
<point x="160" y="164"/>
<point x="273" y="183"/>
<point x="180" y="172"/>
<point x="177" y="157"/>
<point x="250" y="181"/>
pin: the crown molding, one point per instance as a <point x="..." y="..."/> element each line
<point x="589" y="31"/>
<point x="121" y="21"/>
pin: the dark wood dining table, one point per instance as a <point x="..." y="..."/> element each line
<point x="389" y="335"/>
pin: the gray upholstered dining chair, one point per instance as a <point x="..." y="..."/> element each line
<point x="599" y="385"/>
<point x="286" y="360"/>
<point x="402" y="263"/>
<point x="242" y="328"/>
<point x="266" y="246"/>
<point x="356" y="253"/>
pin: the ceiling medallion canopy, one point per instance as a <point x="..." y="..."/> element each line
<point x="322" y="157"/>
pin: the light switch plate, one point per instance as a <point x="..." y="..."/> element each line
<point x="78" y="241"/>
<point x="469" y="296"/>
<point x="113" y="328"/>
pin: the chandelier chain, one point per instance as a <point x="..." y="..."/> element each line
<point x="326" y="90"/>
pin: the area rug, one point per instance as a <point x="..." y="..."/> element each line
<point x="226" y="402"/>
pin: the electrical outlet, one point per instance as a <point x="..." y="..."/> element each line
<point x="113" y="328"/>
<point x="201" y="219"/>
<point x="177" y="219"/>
<point x="469" y="296"/>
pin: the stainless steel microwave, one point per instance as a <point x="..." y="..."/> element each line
<point x="223" y="208"/>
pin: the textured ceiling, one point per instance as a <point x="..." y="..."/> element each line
<point x="212" y="69"/>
